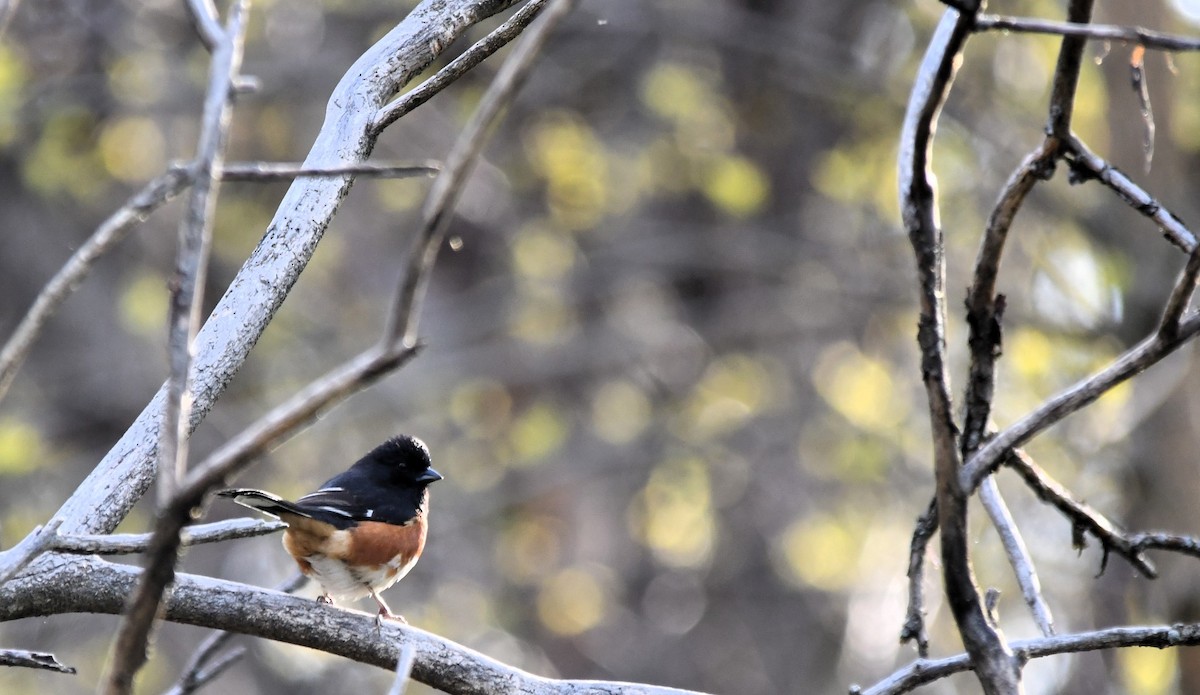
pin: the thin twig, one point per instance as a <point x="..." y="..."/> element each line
<point x="204" y="665"/>
<point x="130" y="543"/>
<point x="1086" y="165"/>
<point x="914" y="616"/>
<point x="1084" y="392"/>
<point x="1181" y="297"/>
<point x="1098" y="32"/>
<point x="476" y="54"/>
<point x="110" y="233"/>
<point x="192" y="256"/>
<point x="447" y="187"/>
<point x="277" y="171"/>
<point x="1066" y="73"/>
<point x="985" y="308"/>
<point x="214" y="668"/>
<point x="404" y="664"/>
<point x="203" y="15"/>
<point x="39" y="660"/>
<point x="195" y="237"/>
<point x="1157" y="540"/>
<point x="1018" y="555"/>
<point x="153" y="195"/>
<point x="924" y="671"/>
<point x="1084" y="519"/>
<point x="36" y="542"/>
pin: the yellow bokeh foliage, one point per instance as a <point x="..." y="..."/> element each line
<point x="673" y="515"/>
<point x="21" y="447"/>
<point x="572" y="601"/>
<point x="859" y="387"/>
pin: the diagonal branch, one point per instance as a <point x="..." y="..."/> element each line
<point x="1018" y="555"/>
<point x="230" y="332"/>
<point x="191" y="268"/>
<point x="111" y="232"/>
<point x="36" y="542"/>
<point x="476" y="54"/>
<point x="1086" y="165"/>
<point x="447" y="187"/>
<point x="195" y="242"/>
<point x="395" y="349"/>
<point x="205" y="665"/>
<point x="1081" y="394"/>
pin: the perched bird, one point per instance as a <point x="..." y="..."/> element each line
<point x="364" y="529"/>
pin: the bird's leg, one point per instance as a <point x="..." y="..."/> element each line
<point x="384" y="611"/>
<point x="324" y="598"/>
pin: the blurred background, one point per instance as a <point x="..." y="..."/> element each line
<point x="670" y="372"/>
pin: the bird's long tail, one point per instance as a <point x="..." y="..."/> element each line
<point x="264" y="502"/>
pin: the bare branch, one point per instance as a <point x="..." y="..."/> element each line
<point x="38" y="660"/>
<point x="18" y="557"/>
<point x="110" y="233"/>
<point x="209" y="672"/>
<point x="1066" y="73"/>
<point x="476" y="54"/>
<point x="447" y="187"/>
<point x="195" y="241"/>
<point x="88" y="584"/>
<point x="1083" y="518"/>
<point x="203" y="15"/>
<point x="924" y="671"/>
<point x="1078" y="396"/>
<point x="275" y="171"/>
<point x="985" y="308"/>
<point x="204" y="665"/>
<point x="1097" y="32"/>
<point x="914" y="617"/>
<point x="1018" y="555"/>
<point x="997" y="670"/>
<point x="191" y="268"/>
<point x="1181" y="297"/>
<point x="130" y="543"/>
<point x="1086" y="165"/>
<point x="230" y="332"/>
<point x="1184" y="545"/>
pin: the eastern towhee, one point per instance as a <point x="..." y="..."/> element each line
<point x="363" y="530"/>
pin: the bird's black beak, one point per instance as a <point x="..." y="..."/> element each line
<point x="429" y="476"/>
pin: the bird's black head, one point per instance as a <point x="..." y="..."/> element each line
<point x="401" y="459"/>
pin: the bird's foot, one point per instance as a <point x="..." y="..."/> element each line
<point x="388" y="615"/>
<point x="324" y="598"/>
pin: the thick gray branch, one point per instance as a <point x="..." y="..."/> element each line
<point x="58" y="584"/>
